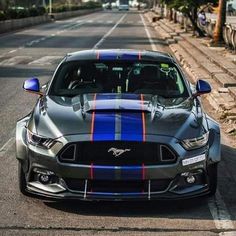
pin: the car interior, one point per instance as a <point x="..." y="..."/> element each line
<point x="106" y="77"/>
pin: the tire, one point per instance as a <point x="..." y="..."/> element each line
<point x="22" y="180"/>
<point x="213" y="176"/>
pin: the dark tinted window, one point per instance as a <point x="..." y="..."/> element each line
<point x="75" y="78"/>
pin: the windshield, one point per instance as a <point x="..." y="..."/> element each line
<point x="84" y="77"/>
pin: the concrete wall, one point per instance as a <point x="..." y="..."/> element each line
<point x="68" y="14"/>
<point x="10" y="25"/>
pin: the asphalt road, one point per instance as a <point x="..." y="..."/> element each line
<point x="36" y="52"/>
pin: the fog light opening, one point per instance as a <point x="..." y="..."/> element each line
<point x="44" y="179"/>
<point x="190" y="179"/>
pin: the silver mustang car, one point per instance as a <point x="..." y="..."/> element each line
<point x="118" y="125"/>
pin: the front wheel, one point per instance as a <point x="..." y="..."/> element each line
<point x="213" y="176"/>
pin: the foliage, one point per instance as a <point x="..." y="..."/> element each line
<point x="21" y="12"/>
<point x="91" y="5"/>
<point x="2" y="16"/>
<point x="11" y="13"/>
<point x="33" y="11"/>
<point x="87" y="5"/>
<point x="190" y="8"/>
<point x="186" y="5"/>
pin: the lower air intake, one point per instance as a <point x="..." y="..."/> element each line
<point x="69" y="153"/>
<point x="166" y="154"/>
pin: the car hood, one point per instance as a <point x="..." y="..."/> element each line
<point x="116" y="117"/>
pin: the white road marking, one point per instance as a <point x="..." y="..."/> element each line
<point x="108" y="33"/>
<point x="228" y="233"/>
<point x="12" y="51"/>
<point x="154" y="48"/>
<point x="6" y="146"/>
<point x="90" y="21"/>
<point x="53" y="35"/>
<point x="46" y="60"/>
<point x="15" y="60"/>
<point x="220" y="213"/>
<point x="62" y="30"/>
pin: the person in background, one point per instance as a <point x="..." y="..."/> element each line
<point x="202" y="18"/>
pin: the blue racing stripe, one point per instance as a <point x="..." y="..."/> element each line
<point x="104" y="172"/>
<point x="131" y="126"/>
<point x="104" y="124"/>
<point x="131" y="96"/>
<point x="129" y="56"/>
<point x="131" y="172"/>
<point x="108" y="56"/>
<point x="131" y="123"/>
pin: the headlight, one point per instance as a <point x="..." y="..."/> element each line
<point x="195" y="143"/>
<point x="39" y="141"/>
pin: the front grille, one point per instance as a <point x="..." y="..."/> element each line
<point x="117" y="186"/>
<point x="117" y="153"/>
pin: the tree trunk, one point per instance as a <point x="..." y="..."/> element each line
<point x="221" y="19"/>
<point x="194" y="23"/>
<point x="171" y="14"/>
<point x="175" y="17"/>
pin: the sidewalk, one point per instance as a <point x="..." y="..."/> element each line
<point x="215" y="65"/>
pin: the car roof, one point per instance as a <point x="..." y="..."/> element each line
<point x="120" y="55"/>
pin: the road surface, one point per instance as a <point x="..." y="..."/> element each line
<point x="35" y="52"/>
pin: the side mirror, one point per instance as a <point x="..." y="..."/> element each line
<point x="202" y="87"/>
<point x="32" y="86"/>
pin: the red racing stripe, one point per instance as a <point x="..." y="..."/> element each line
<point x="143" y="119"/>
<point x="91" y="171"/>
<point x="139" y="55"/>
<point x="98" y="56"/>
<point x="93" y="116"/>
<point x="143" y="171"/>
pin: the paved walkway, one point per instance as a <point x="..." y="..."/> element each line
<point x="203" y="62"/>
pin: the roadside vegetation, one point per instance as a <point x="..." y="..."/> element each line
<point x="17" y="10"/>
<point x="191" y="8"/>
<point x="82" y="6"/>
<point x="20" y="12"/>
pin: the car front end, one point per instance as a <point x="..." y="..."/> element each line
<point x="118" y="146"/>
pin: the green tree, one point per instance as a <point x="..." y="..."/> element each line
<point x="190" y="8"/>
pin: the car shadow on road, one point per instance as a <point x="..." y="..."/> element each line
<point x="134" y="209"/>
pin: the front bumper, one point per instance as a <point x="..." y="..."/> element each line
<point x="118" y="183"/>
<point x="175" y="175"/>
<point x="93" y="196"/>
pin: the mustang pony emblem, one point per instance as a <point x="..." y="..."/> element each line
<point x="117" y="152"/>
